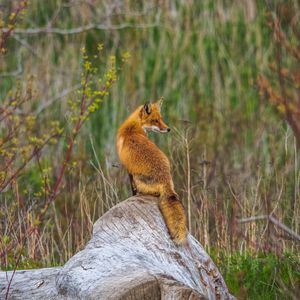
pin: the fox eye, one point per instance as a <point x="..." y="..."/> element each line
<point x="155" y="121"/>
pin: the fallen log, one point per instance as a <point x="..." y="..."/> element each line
<point x="130" y="256"/>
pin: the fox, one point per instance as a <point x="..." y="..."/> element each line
<point x="148" y="167"/>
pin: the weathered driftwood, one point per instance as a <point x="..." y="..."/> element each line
<point x="130" y="256"/>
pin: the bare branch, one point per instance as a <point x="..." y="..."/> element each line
<point x="274" y="221"/>
<point x="252" y="219"/>
<point x="285" y="228"/>
<point x="62" y="94"/>
<point x="26" y="45"/>
<point x="76" y="30"/>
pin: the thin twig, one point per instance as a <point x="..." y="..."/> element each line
<point x="13" y="274"/>
<point x="5" y="34"/>
<point x="35" y="151"/>
<point x="17" y="71"/>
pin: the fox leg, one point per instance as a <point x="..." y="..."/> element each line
<point x="132" y="184"/>
<point x="146" y="186"/>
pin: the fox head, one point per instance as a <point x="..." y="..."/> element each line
<point x="151" y="119"/>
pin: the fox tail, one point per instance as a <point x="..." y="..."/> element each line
<point x="174" y="215"/>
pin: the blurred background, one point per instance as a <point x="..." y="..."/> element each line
<point x="229" y="74"/>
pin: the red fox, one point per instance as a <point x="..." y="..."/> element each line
<point x="149" y="167"/>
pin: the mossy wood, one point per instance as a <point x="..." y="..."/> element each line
<point x="130" y="256"/>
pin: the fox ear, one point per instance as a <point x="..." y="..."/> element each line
<point x="160" y="102"/>
<point x="147" y="108"/>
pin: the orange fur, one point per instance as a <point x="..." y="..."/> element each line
<point x="149" y="167"/>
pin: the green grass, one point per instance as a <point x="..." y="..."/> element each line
<point x="261" y="276"/>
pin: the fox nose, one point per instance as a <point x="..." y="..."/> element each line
<point x="168" y="129"/>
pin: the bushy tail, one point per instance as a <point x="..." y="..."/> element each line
<point x="174" y="216"/>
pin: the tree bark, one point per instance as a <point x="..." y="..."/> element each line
<point x="130" y="256"/>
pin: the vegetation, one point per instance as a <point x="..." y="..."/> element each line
<point x="263" y="276"/>
<point x="229" y="74"/>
